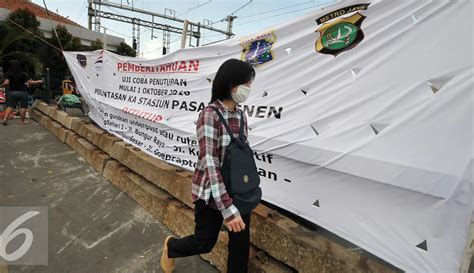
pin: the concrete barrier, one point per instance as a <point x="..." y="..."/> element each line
<point x="98" y="160"/>
<point x="164" y="190"/>
<point x="176" y="216"/>
<point x="41" y="106"/>
<point x="90" y="132"/>
<point x="53" y="127"/>
<point x="163" y="175"/>
<point x="71" y="138"/>
<point x="36" y="115"/>
<point x="263" y="263"/>
<point x="62" y="134"/>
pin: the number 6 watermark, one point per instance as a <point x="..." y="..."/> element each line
<point x="24" y="236"/>
<point x="11" y="232"/>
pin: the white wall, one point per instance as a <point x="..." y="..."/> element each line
<point x="87" y="36"/>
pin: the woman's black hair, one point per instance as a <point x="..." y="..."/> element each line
<point x="15" y="68"/>
<point x="231" y="73"/>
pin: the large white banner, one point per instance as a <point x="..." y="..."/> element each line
<point x="360" y="116"/>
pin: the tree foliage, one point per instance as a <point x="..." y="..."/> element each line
<point x="68" y="42"/>
<point x="35" y="55"/>
<point x="19" y="44"/>
<point x="126" y="50"/>
<point x="9" y="49"/>
<point x="25" y="18"/>
<point x="97" y="44"/>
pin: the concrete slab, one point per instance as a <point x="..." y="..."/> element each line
<point x="93" y="226"/>
<point x="282" y="238"/>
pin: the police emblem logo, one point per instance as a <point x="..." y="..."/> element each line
<point x="82" y="60"/>
<point x="258" y="50"/>
<point x="340" y="30"/>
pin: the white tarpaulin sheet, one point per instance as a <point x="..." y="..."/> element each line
<point x="361" y="117"/>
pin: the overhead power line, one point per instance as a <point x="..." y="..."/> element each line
<point x="226" y="18"/>
<point x="33" y="34"/>
<point x="276" y="15"/>
<point x="120" y="33"/>
<point x="154" y="14"/>
<point x="271" y="11"/>
<point x="81" y="11"/>
<point x="194" y="8"/>
<point x="246" y="4"/>
<point x="280" y="14"/>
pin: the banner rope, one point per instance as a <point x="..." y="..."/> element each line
<point x="52" y="25"/>
<point x="36" y="36"/>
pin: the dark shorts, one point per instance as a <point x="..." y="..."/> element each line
<point x="15" y="97"/>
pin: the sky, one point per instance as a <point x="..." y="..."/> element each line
<point x="256" y="16"/>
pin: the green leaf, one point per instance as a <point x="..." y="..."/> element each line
<point x="29" y="58"/>
<point x="12" y="37"/>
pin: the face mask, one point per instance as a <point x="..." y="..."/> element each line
<point x="242" y="94"/>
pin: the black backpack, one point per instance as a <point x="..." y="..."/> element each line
<point x="239" y="171"/>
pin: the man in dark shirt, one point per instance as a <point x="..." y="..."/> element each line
<point x="18" y="81"/>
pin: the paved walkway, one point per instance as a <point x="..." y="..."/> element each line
<point x="93" y="227"/>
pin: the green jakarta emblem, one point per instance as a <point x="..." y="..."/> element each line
<point x="339" y="36"/>
<point x="340" y="33"/>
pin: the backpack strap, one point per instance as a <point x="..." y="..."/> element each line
<point x="223" y="122"/>
<point x="241" y="131"/>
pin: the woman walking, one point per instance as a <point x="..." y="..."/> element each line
<point x="18" y="81"/>
<point x="213" y="203"/>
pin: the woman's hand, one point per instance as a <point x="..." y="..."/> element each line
<point x="236" y="225"/>
<point x="5" y="83"/>
<point x="34" y="83"/>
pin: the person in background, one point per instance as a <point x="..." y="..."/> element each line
<point x="213" y="205"/>
<point x="71" y="97"/>
<point x="67" y="86"/>
<point x="18" y="82"/>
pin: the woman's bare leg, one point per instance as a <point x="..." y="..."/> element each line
<point x="22" y="116"/>
<point x="8" y="112"/>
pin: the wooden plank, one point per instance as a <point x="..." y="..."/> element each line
<point x="3" y="268"/>
<point x="282" y="238"/>
<point x="468" y="252"/>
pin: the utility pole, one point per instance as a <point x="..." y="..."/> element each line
<point x="164" y="52"/>
<point x="199" y="31"/>
<point x="192" y="29"/>
<point x="164" y="16"/>
<point x="184" y="35"/>
<point x="105" y="38"/>
<point x="166" y="41"/>
<point x="97" y="18"/>
<point x="230" y="21"/>
<point x="134" y="40"/>
<point x="49" y="94"/>
<point x="138" y="38"/>
<point x="90" y="17"/>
